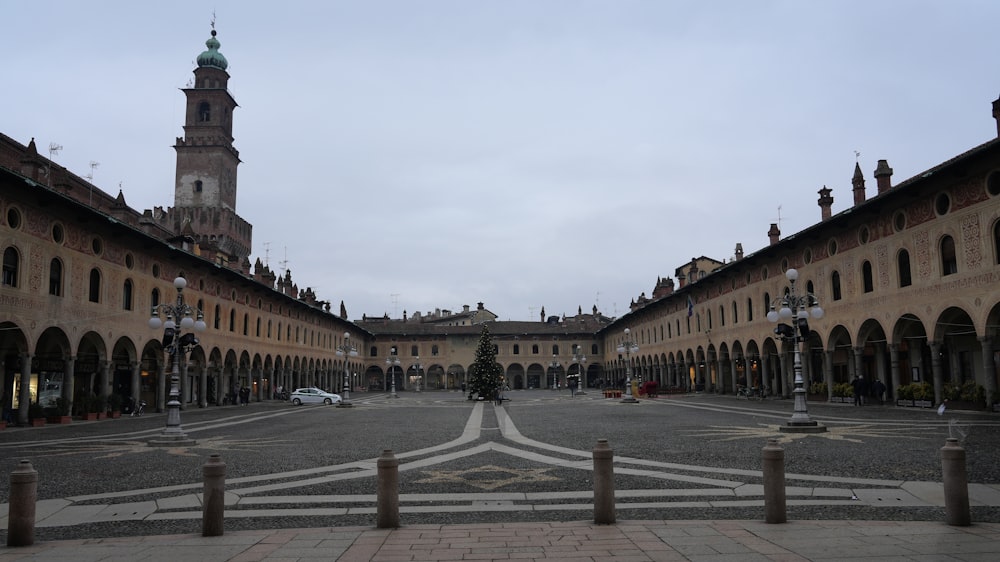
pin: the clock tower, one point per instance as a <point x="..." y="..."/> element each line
<point x="205" y="185"/>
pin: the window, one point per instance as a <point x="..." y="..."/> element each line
<point x="555" y="350"/>
<point x="55" y="278"/>
<point x="434" y="350"/>
<point x="767" y="303"/>
<point x="154" y="298"/>
<point x="95" y="285"/>
<point x="127" y="295"/>
<point x="749" y="310"/>
<point x="258" y="327"/>
<point x="809" y="287"/>
<point x="722" y="315"/>
<point x="949" y="264"/>
<point x="232" y="320"/>
<point x="534" y="349"/>
<point x="246" y="324"/>
<point x="903" y="265"/>
<point x="593" y="349"/>
<point x="204" y="112"/>
<point x="413" y="351"/>
<point x="735" y="319"/>
<point x="198" y="186"/>
<point x="835" y="285"/>
<point x="218" y="316"/>
<point x="517" y="349"/>
<point x="11" y="262"/>
<point x="866" y="276"/>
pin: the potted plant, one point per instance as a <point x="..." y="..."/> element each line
<point x="87" y="407"/>
<point x="923" y="395"/>
<point x="115" y="405"/>
<point x="60" y="412"/>
<point x="995" y="400"/>
<point x="843" y="392"/>
<point x="36" y="414"/>
<point x="904" y="395"/>
<point x="817" y="391"/>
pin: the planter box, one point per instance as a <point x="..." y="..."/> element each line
<point x="37" y="422"/>
<point x="843" y="399"/>
<point x="996" y="407"/>
<point x="89" y="416"/>
<point x="59" y="419"/>
<point x="115" y="414"/>
<point x="923" y="403"/>
<point x="904" y="403"/>
<point x="816" y="397"/>
<point x="3" y="425"/>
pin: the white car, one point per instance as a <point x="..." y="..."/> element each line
<point x="313" y="396"/>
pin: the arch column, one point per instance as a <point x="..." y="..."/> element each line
<point x="103" y="379"/>
<point x="220" y="385"/>
<point x="859" y="366"/>
<point x="781" y="381"/>
<point x="24" y="396"/>
<point x="936" y="370"/>
<point x="161" y="387"/>
<point x="69" y="374"/>
<point x="734" y="377"/>
<point x="828" y="373"/>
<point x="893" y="369"/>
<point x="136" y="381"/>
<point x="989" y="368"/>
<point x="202" y="385"/>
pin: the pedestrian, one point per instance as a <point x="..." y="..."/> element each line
<point x="880" y="391"/>
<point x="859" y="386"/>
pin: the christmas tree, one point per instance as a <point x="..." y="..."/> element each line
<point x="485" y="375"/>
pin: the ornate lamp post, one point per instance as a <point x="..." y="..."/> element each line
<point x="554" y="365"/>
<point x="580" y="359"/>
<point x="392" y="361"/>
<point x="177" y="345"/>
<point x="628" y="347"/>
<point x="417" y="367"/>
<point x="797" y="309"/>
<point x="346" y="350"/>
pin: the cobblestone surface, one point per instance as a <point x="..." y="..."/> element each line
<point x="721" y="432"/>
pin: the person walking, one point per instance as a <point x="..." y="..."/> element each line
<point x="859" y="386"/>
<point x="879" y="388"/>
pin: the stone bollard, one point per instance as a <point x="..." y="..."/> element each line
<point x="21" y="512"/>
<point x="604" y="483"/>
<point x="388" y="491"/>
<point x="956" y="484"/>
<point x="774" y="482"/>
<point x="213" y="505"/>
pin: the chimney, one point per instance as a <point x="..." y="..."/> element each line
<point x="826" y="201"/>
<point x="681" y="280"/>
<point x="882" y="174"/>
<point x="465" y="308"/>
<point x="996" y="114"/>
<point x="480" y="306"/>
<point x="693" y="272"/>
<point x="773" y="234"/>
<point x="739" y="251"/>
<point x="858" y="181"/>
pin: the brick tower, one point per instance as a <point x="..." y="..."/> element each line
<point x="205" y="187"/>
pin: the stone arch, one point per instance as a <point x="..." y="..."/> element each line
<point x="515" y="376"/>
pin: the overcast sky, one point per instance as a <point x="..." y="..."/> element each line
<point x="413" y="155"/>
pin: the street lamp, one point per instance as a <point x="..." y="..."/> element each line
<point x="797" y="309"/>
<point x="346" y="350"/>
<point x="392" y="361"/>
<point x="554" y="365"/>
<point x="580" y="359"/>
<point x="177" y="345"/>
<point x="628" y="347"/>
<point x="417" y="366"/>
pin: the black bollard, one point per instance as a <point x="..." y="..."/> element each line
<point x="387" y="512"/>
<point x="21" y="513"/>
<point x="213" y="507"/>
<point x="774" y="482"/>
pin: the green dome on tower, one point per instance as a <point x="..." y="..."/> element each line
<point x="212" y="57"/>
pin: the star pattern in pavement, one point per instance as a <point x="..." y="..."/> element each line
<point x="852" y="433"/>
<point x="488" y="477"/>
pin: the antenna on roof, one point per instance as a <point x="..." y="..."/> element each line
<point x="267" y="253"/>
<point x="284" y="263"/>
<point x="395" y="304"/>
<point x="779" y="217"/>
<point x="93" y="165"/>
<point x="54" y="149"/>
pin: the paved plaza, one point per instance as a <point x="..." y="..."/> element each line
<point x="479" y="481"/>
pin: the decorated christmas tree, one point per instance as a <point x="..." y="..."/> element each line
<point x="485" y="375"/>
